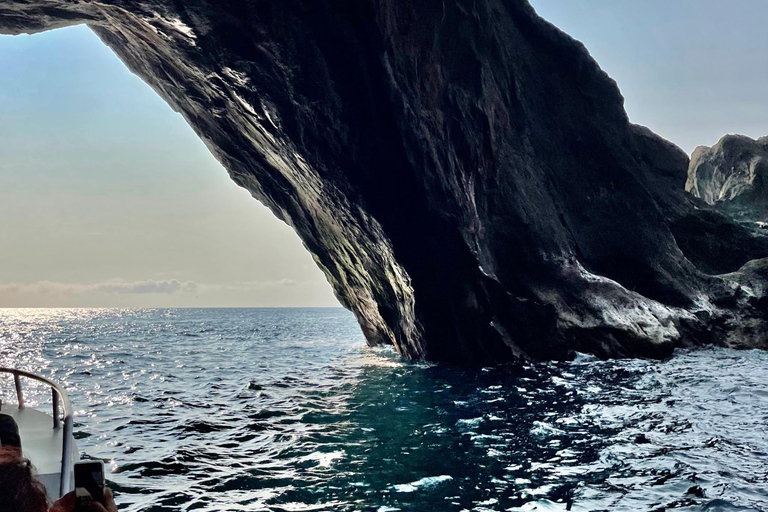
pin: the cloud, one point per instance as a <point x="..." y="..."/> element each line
<point x="114" y="286"/>
<point x="168" y="286"/>
<point x="260" y="285"/>
<point x="172" y="286"/>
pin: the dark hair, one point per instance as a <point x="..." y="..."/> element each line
<point x="9" y="431"/>
<point x="20" y="491"/>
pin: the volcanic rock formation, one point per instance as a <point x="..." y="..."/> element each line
<point x="732" y="174"/>
<point x="462" y="171"/>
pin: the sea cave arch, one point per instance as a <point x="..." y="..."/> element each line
<point x="463" y="173"/>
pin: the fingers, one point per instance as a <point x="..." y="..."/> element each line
<point x="93" y="507"/>
<point x="67" y="504"/>
<point x="109" y="500"/>
<point x="64" y="504"/>
<point x="107" y="506"/>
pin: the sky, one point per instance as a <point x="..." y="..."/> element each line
<point x="108" y="198"/>
<point x="691" y="70"/>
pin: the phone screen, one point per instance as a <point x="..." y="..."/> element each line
<point x="89" y="481"/>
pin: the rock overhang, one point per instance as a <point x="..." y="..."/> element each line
<point x="463" y="172"/>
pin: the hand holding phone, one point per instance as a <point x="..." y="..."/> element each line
<point x="67" y="503"/>
<point x="89" y="485"/>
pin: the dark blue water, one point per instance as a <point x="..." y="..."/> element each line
<point x="288" y="410"/>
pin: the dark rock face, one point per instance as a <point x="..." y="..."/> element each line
<point x="732" y="174"/>
<point x="462" y="171"/>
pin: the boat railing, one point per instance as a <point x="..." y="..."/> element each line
<point x="60" y="402"/>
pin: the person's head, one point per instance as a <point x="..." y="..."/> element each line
<point x="9" y="432"/>
<point x="19" y="489"/>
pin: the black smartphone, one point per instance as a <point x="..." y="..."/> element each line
<point x="89" y="483"/>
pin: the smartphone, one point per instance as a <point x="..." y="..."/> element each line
<point x="89" y="483"/>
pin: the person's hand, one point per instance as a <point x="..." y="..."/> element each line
<point x="67" y="504"/>
<point x="64" y="504"/>
<point x="109" y="503"/>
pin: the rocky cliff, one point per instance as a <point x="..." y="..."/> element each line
<point x="462" y="171"/>
<point x="733" y="175"/>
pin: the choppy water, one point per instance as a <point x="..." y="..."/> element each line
<point x="287" y="410"/>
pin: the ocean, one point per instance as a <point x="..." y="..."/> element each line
<point x="289" y="410"/>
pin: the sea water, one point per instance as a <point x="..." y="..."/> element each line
<point x="288" y="410"/>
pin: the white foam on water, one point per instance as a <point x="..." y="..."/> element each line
<point x="423" y="483"/>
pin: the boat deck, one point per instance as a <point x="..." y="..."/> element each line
<point x="41" y="444"/>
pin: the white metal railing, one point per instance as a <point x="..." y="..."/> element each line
<point x="60" y="400"/>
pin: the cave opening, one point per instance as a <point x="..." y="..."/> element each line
<point x="108" y="198"/>
<point x="343" y="134"/>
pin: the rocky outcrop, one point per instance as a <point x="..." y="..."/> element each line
<point x="733" y="175"/>
<point x="462" y="171"/>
